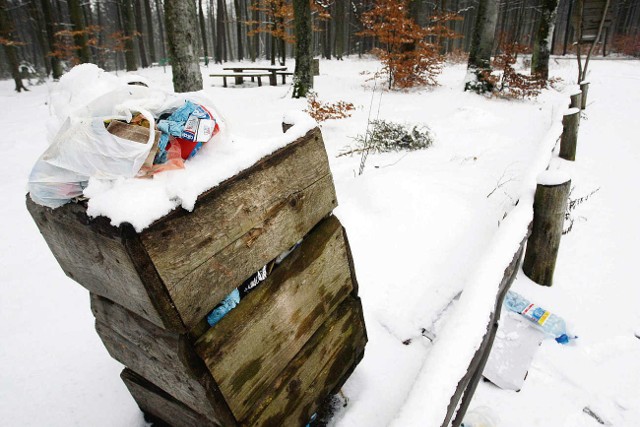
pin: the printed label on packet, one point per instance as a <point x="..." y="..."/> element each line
<point x="206" y="129"/>
<point x="536" y="314"/>
<point x="190" y="128"/>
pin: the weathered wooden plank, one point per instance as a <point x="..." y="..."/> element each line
<point x="97" y="256"/>
<point x="468" y="383"/>
<point x="165" y="358"/>
<point x="249" y="348"/>
<point x="315" y="372"/>
<point x="160" y="407"/>
<point x="240" y="225"/>
<point x="287" y="223"/>
<point x="228" y="211"/>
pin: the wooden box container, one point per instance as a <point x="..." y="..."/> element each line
<point x="273" y="359"/>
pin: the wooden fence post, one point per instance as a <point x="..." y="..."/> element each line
<point x="584" y="87"/>
<point x="548" y="219"/>
<point x="315" y="66"/>
<point x="569" y="138"/>
<point x="576" y="100"/>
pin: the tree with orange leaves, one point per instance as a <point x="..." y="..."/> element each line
<point x="409" y="52"/>
<point x="278" y="16"/>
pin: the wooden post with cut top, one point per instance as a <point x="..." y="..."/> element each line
<point x="569" y="138"/>
<point x="576" y="99"/>
<point x="549" y="209"/>
<point x="584" y="87"/>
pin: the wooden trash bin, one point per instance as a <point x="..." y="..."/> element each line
<point x="272" y="360"/>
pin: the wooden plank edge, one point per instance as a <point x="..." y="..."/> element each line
<point x="151" y="280"/>
<point x="352" y="266"/>
<point x="159" y="412"/>
<point x="74" y="216"/>
<point x="276" y="156"/>
<point x="193" y="365"/>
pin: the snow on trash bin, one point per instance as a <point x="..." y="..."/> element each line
<point x="84" y="145"/>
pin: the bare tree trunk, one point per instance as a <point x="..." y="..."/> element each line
<point x="126" y="9"/>
<point x="212" y="23"/>
<point x="481" y="47"/>
<point x="255" y="40"/>
<point x="56" y="65"/>
<point x="326" y="39"/>
<point x="150" y="36"/>
<point x="239" y="20"/>
<point x="163" y="39"/>
<point x="226" y="51"/>
<point x="37" y="28"/>
<point x="219" y="31"/>
<point x="80" y="39"/>
<point x="10" y="49"/>
<point x="144" y="61"/>
<point x="203" y="31"/>
<point x="542" y="44"/>
<point x="183" y="41"/>
<point x="340" y="21"/>
<point x="302" y="78"/>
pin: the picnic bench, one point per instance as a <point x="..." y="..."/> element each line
<point x="284" y="75"/>
<point x="242" y="71"/>
<point x="239" y="77"/>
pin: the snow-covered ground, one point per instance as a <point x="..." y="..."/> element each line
<point x="419" y="224"/>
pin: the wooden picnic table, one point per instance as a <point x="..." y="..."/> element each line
<point x="239" y="77"/>
<point x="270" y="69"/>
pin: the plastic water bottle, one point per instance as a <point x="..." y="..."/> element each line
<point x="480" y="417"/>
<point x="543" y="319"/>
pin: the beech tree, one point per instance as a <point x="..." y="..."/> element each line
<point x="182" y="38"/>
<point x="409" y="59"/>
<point x="479" y="65"/>
<point x="80" y="35"/>
<point x="302" y="77"/>
<point x="542" y="44"/>
<point x="56" y="64"/>
<point x="126" y="9"/>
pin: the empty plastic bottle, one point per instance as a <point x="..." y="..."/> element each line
<point x="543" y="319"/>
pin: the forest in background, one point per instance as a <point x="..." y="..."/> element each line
<point x="127" y="34"/>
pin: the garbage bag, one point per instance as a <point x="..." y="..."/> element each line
<point x="84" y="146"/>
<point x="81" y="147"/>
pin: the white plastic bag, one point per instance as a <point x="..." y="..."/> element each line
<point x="53" y="186"/>
<point x="80" y="146"/>
<point x="84" y="146"/>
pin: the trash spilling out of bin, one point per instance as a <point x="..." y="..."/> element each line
<point x="109" y="178"/>
<point x="256" y="238"/>
<point x="123" y="133"/>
